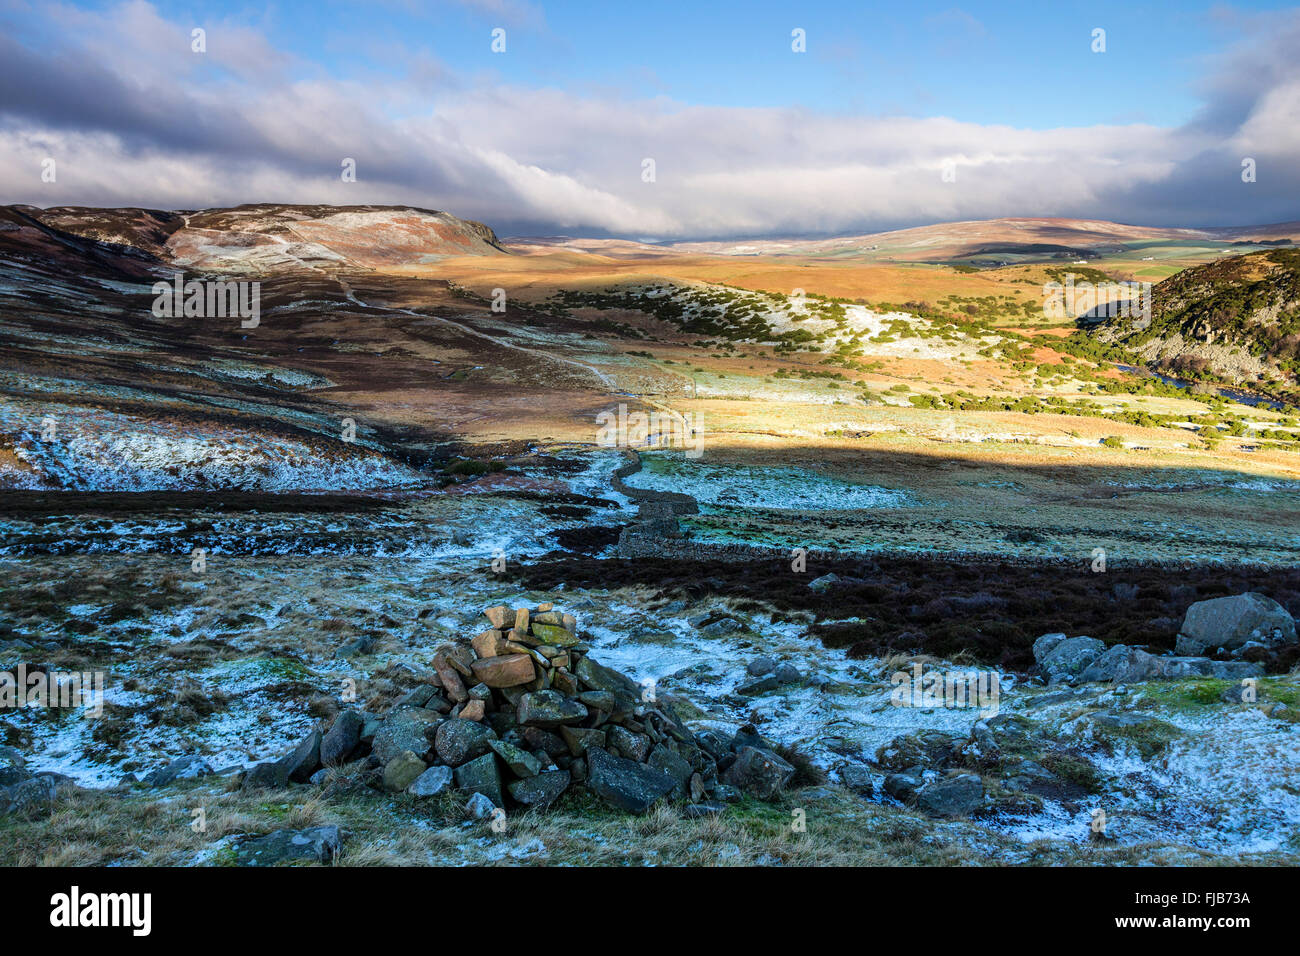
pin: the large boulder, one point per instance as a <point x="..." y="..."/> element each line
<point x="1045" y="644"/>
<point x="758" y="772"/>
<point x="1068" y="659"/>
<point x="1230" y="622"/>
<point x="312" y="845"/>
<point x="625" y="784"/>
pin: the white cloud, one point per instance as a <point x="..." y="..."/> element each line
<point x="160" y="130"/>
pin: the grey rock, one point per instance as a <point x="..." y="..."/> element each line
<point x="758" y="772"/>
<point x="825" y="583"/>
<point x="760" y="666"/>
<point x="670" y="762"/>
<point x="482" y="776"/>
<point x="432" y="782"/>
<point x="12" y="767"/>
<point x="342" y="738"/>
<point x="540" y="791"/>
<point x="1044" y="645"/>
<point x="182" y="768"/>
<point x="520" y="761"/>
<point x="623" y="742"/>
<point x="458" y="741"/>
<point x="857" y="778"/>
<point x="1230" y="622"/>
<point x="313" y="845"/>
<point x="789" y="674"/>
<point x="1122" y="664"/>
<point x="410" y="728"/>
<point x="904" y="786"/>
<point x="952" y="796"/>
<point x="549" y="708"/>
<point x="480" y="806"/>
<point x="1068" y="659"/>
<point x="304" y="759"/>
<point x="270" y="774"/>
<point x="356" y="648"/>
<point x="624" y="784"/>
<point x="694" y="811"/>
<point x="417" y="697"/>
<point x="759" y="685"/>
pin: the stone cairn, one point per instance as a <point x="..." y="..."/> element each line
<point x="521" y="713"/>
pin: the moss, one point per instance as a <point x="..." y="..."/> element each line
<point x="1148" y="738"/>
<point x="1073" y="769"/>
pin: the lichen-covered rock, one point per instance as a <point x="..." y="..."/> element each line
<point x="482" y="776"/>
<point x="407" y="729"/>
<point x="402" y="771"/>
<point x="458" y="741"/>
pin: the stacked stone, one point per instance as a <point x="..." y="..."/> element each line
<point x="521" y="712"/>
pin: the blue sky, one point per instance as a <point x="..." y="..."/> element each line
<point x="1029" y="64"/>
<point x="749" y="137"/>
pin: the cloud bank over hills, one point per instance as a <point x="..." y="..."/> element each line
<point x="132" y="116"/>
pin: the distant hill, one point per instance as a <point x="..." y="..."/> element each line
<point x="1234" y="320"/>
<point x="989" y="238"/>
<point x="271" y="237"/>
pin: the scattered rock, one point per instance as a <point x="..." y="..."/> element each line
<point x="1066" y="660"/>
<point x="314" y="844"/>
<point x="182" y="768"/>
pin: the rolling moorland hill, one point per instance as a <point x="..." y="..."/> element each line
<point x="1237" y="320"/>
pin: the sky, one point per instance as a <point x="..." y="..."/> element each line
<point x="665" y="120"/>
